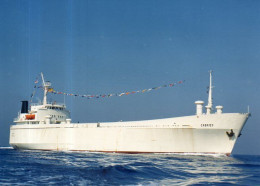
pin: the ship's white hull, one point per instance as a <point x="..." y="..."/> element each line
<point x="190" y="134"/>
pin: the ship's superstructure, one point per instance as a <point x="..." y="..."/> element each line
<point x="47" y="126"/>
<point x="45" y="112"/>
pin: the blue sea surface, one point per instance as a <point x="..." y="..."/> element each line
<point x="84" y="168"/>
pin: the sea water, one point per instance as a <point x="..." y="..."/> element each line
<point x="85" y="168"/>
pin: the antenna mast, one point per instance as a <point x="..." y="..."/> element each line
<point x="210" y="102"/>
<point x="46" y="86"/>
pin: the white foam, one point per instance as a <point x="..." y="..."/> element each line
<point x="6" y="147"/>
<point x="195" y="154"/>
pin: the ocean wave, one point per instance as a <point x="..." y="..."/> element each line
<point x="87" y="168"/>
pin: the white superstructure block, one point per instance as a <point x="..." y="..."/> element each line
<point x="219" y="109"/>
<point x="199" y="108"/>
<point x="47" y="119"/>
<point x="68" y="121"/>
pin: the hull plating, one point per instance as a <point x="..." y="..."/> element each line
<point x="191" y="134"/>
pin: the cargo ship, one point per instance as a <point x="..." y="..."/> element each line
<point x="48" y="126"/>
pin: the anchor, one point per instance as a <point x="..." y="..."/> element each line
<point x="231" y="133"/>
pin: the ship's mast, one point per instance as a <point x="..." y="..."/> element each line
<point x="46" y="86"/>
<point x="210" y="102"/>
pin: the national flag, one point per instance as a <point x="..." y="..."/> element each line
<point x="50" y="90"/>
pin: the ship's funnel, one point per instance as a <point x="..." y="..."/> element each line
<point x="24" y="108"/>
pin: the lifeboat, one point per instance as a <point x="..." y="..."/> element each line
<point x="30" y="116"/>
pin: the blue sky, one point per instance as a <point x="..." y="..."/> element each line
<point x="96" y="47"/>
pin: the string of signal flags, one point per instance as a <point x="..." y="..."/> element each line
<point x="51" y="90"/>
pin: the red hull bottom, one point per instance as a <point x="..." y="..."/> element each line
<point x="134" y="152"/>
